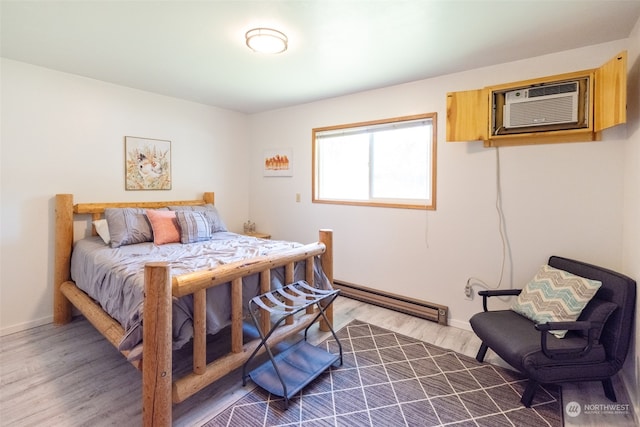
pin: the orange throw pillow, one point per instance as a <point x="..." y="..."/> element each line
<point x="165" y="226"/>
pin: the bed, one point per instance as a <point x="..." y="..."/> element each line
<point x="171" y="297"/>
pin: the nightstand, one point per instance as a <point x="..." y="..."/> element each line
<point x="258" y="234"/>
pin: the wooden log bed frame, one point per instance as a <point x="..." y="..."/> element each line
<point x="159" y="389"/>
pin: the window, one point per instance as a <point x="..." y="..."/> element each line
<point x="389" y="163"/>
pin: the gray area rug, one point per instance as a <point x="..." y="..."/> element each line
<point x="388" y="379"/>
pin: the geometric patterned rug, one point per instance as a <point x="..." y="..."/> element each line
<point x="388" y="379"/>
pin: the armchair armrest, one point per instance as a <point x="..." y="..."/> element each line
<point x="588" y="326"/>
<point x="496" y="293"/>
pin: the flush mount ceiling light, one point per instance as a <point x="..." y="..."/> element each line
<point x="266" y="40"/>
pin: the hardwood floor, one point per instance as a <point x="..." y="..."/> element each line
<point x="71" y="376"/>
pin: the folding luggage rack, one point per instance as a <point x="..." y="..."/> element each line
<point x="292" y="369"/>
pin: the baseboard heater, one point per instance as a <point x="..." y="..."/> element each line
<point x="415" y="307"/>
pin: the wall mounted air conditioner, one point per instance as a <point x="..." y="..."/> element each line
<point x="548" y="104"/>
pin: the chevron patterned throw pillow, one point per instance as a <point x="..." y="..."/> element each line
<point x="555" y="296"/>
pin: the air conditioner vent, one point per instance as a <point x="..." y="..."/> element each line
<point x="553" y="90"/>
<point x="543" y="112"/>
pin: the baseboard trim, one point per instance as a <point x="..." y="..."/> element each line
<point x="460" y="324"/>
<point x="25" y="326"/>
<point x="415" y="307"/>
<point x="632" y="391"/>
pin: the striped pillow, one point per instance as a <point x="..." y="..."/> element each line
<point x="194" y="226"/>
<point x="128" y="226"/>
<point x="210" y="211"/>
<point x="555" y="296"/>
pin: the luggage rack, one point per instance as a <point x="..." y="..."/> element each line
<point x="292" y="369"/>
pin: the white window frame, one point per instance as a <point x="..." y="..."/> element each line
<point x="386" y="124"/>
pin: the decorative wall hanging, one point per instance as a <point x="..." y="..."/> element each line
<point x="278" y="162"/>
<point x="147" y="164"/>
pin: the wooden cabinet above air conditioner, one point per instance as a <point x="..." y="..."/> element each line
<point x="571" y="107"/>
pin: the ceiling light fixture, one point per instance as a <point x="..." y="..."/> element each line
<point x="266" y="40"/>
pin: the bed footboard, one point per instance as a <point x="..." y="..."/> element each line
<point x="158" y="388"/>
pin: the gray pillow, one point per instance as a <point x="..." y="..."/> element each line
<point x="194" y="226"/>
<point x="210" y="211"/>
<point x="128" y="226"/>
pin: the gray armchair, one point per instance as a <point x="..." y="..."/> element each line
<point x="594" y="349"/>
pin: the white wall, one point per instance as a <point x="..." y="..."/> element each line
<point x="631" y="224"/>
<point x="564" y="199"/>
<point x="65" y="134"/>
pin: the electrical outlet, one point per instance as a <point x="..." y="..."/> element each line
<point x="468" y="292"/>
<point x="298" y="197"/>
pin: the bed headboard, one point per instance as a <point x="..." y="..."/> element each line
<point x="97" y="209"/>
<point x="66" y="212"/>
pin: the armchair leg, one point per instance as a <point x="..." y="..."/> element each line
<point x="529" y="392"/>
<point x="607" y="385"/>
<point x="481" y="353"/>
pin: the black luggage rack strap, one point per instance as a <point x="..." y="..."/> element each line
<point x="289" y="371"/>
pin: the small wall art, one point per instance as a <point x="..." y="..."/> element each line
<point x="147" y="163"/>
<point x="278" y="162"/>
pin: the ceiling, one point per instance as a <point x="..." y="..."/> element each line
<point x="196" y="50"/>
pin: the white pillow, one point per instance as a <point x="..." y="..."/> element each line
<point x="102" y="227"/>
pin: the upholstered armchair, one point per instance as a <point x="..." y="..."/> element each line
<point x="593" y="347"/>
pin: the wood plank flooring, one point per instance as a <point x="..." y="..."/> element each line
<point x="71" y="376"/>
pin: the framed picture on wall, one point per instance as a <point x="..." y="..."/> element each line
<point x="147" y="163"/>
<point x="278" y="162"/>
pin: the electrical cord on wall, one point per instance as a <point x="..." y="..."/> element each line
<point x="471" y="281"/>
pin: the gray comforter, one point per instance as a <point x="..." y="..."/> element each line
<point x="115" y="279"/>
